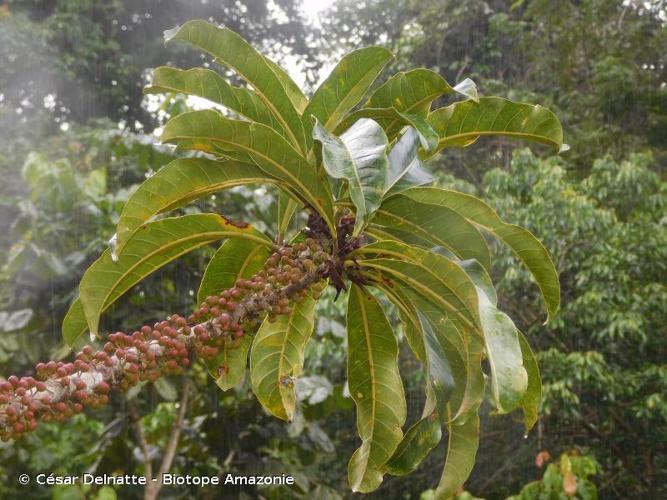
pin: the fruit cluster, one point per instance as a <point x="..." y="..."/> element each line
<point x="61" y="389"/>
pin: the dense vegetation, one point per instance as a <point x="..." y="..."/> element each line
<point x="599" y="209"/>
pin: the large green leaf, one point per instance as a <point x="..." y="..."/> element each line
<point x="232" y="50"/>
<point x="376" y="387"/>
<point x="415" y="222"/>
<point x="277" y="357"/>
<point x="345" y="86"/>
<point x="531" y="399"/>
<point x="509" y="379"/>
<point x="463" y="351"/>
<point x="294" y="93"/>
<point x="236" y="258"/>
<point x="429" y="274"/>
<point x="210" y="85"/>
<point x="529" y="250"/>
<point x="425" y="434"/>
<point x="461" y="451"/>
<point x="180" y="182"/>
<point x="151" y="247"/>
<point x="461" y="123"/>
<point x="269" y="150"/>
<point x="508" y="375"/>
<point x="413" y="91"/>
<point x="359" y="156"/>
<point x="409" y="92"/>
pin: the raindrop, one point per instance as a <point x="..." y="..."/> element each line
<point x="92" y="337"/>
<point x="525" y="436"/>
<point x="113" y="243"/>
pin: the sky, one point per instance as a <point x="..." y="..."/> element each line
<point x="312" y="7"/>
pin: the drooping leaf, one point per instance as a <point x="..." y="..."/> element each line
<point x="151" y="247"/>
<point x="461" y="450"/>
<point x="419" y="440"/>
<point x="406" y="170"/>
<point x="376" y="387"/>
<point x="360" y="157"/>
<point x="463" y="351"/>
<point x="210" y="85"/>
<point x="509" y="379"/>
<point x="529" y="250"/>
<point x="345" y="87"/>
<point x="270" y="151"/>
<point x="439" y="225"/>
<point x="228" y="368"/>
<point x="531" y="399"/>
<point x="461" y="123"/>
<point x="236" y="258"/>
<point x="233" y="51"/>
<point x="425" y="434"/>
<point x="180" y="182"/>
<point x="276" y="358"/>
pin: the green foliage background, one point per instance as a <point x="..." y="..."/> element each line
<point x="76" y="138"/>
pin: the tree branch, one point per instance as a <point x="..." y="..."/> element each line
<point x="64" y="389"/>
<point x="154" y="487"/>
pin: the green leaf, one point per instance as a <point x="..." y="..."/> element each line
<point x="294" y="93"/>
<point x="74" y="323"/>
<point x="151" y="247"/>
<point x="529" y="250"/>
<point x="531" y="399"/>
<point x="205" y="129"/>
<point x="179" y="183"/>
<point x="509" y="379"/>
<point x="461" y="123"/>
<point x="508" y="375"/>
<point x="376" y="387"/>
<point x="228" y="368"/>
<point x="359" y="156"/>
<point x="415" y="222"/>
<point x="425" y="434"/>
<point x="277" y="357"/>
<point x="429" y="274"/>
<point x="345" y="86"/>
<point x="287" y="207"/>
<point x="418" y="441"/>
<point x="210" y="85"/>
<point x="231" y="50"/>
<point x="236" y="258"/>
<point x="410" y="92"/>
<point x="388" y="117"/>
<point x="463" y="351"/>
<point x="461" y="451"/>
<point x="406" y="170"/>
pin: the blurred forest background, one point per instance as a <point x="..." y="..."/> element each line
<point x="76" y="134"/>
